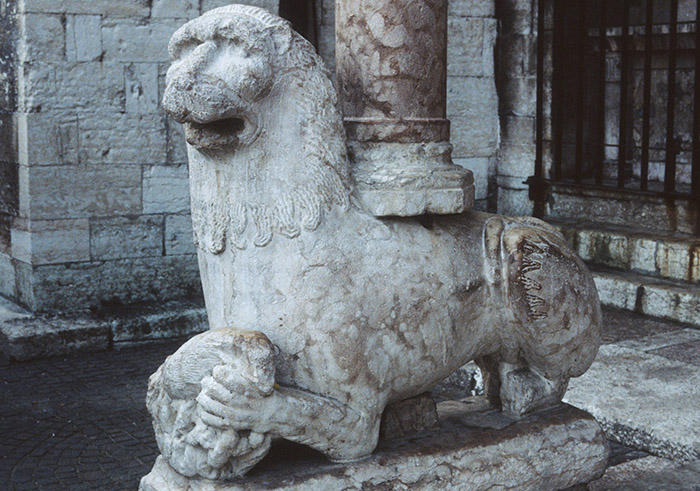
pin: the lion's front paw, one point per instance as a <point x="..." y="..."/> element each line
<point x="229" y="400"/>
<point x="201" y="400"/>
<point x="226" y="452"/>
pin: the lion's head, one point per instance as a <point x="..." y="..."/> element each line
<point x="266" y="142"/>
<point x="215" y="100"/>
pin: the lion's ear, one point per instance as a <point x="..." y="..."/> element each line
<point x="282" y="36"/>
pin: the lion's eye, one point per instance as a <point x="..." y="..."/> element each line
<point x="229" y="39"/>
<point x="185" y="47"/>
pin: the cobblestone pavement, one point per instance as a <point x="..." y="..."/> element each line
<point x="78" y="422"/>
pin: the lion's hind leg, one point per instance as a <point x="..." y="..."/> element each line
<point x="517" y="389"/>
<point x="343" y="433"/>
<point x="548" y="311"/>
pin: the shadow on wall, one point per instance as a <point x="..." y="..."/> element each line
<point x="9" y="167"/>
<point x="302" y="15"/>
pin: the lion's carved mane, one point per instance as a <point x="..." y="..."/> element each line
<point x="322" y="155"/>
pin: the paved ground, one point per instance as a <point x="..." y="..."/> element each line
<point x="79" y="422"/>
<point x="644" y="386"/>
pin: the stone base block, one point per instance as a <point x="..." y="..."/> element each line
<point x="402" y="179"/>
<point x="406" y="203"/>
<point x="476" y="447"/>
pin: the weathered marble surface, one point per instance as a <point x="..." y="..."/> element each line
<point x="617" y="392"/>
<point x="321" y="313"/>
<point x="476" y="448"/>
<point x="391" y="58"/>
<point x="391" y="67"/>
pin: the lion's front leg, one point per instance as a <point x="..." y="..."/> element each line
<point x="342" y="433"/>
<point x="216" y="407"/>
<point x="187" y="440"/>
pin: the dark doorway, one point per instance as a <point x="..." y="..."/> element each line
<point x="302" y="15"/>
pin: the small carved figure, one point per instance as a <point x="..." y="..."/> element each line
<point x="321" y="314"/>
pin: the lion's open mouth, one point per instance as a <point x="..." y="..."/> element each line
<point x="223" y="126"/>
<point x="215" y="135"/>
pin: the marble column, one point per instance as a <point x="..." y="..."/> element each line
<point x="391" y="72"/>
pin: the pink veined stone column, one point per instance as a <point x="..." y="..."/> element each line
<point x="391" y="59"/>
<point x="392" y="70"/>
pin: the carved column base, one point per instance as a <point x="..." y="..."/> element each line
<point x="409" y="179"/>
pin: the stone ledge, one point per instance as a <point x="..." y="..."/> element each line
<point x="613" y="207"/>
<point x="676" y="301"/>
<point x="26" y="336"/>
<point x="475" y="448"/>
<point x="644" y="400"/>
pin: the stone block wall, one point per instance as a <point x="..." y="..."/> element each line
<point x="94" y="202"/>
<point x="472" y="101"/>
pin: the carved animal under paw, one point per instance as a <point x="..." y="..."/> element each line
<point x="350" y="312"/>
<point x="193" y="441"/>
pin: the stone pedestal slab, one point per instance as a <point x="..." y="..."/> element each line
<point x="476" y="447"/>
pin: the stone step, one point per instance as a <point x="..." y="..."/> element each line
<point x="652" y="274"/>
<point x="672" y="256"/>
<point x="648" y="295"/>
<point x="157" y="321"/>
<point x="26" y="336"/>
<point x="643" y="396"/>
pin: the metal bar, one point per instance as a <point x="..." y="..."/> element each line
<point x="557" y="87"/>
<point x="695" y="180"/>
<point x="646" y="117"/>
<point x="622" y="144"/>
<point x="601" y="102"/>
<point x="670" y="171"/>
<point x="539" y="171"/>
<point x="581" y="87"/>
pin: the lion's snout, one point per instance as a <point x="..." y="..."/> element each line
<point x="214" y="117"/>
<point x="183" y="102"/>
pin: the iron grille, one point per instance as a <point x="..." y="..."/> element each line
<point x="618" y="96"/>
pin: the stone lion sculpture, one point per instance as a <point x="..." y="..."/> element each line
<point x="320" y="313"/>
